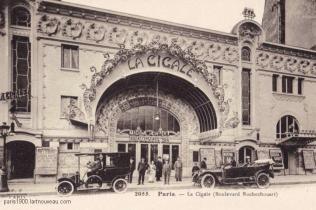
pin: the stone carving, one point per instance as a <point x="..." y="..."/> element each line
<point x="304" y="66"/>
<point x="197" y="48"/>
<point x="277" y="62"/>
<point x="96" y="32"/>
<point x="233" y="122"/>
<point x="263" y="59"/>
<point x="313" y="69"/>
<point x="72" y="28"/>
<point x="2" y="23"/>
<point x="139" y="38"/>
<point x="118" y="35"/>
<point x="75" y="113"/>
<point x="48" y="25"/>
<point x="214" y="51"/>
<point x="231" y="54"/>
<point x="249" y="31"/>
<point x="290" y="64"/>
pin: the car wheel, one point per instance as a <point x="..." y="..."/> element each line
<point x="65" y="188"/>
<point x="120" y="185"/>
<point x="208" y="181"/>
<point x="263" y="180"/>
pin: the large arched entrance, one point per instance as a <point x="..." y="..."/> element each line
<point x="126" y="115"/>
<point x="20" y="159"/>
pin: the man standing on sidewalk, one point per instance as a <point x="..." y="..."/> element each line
<point x="166" y="170"/>
<point x="158" y="169"/>
<point x="131" y="169"/>
<point x="142" y="167"/>
<point x="178" y="169"/>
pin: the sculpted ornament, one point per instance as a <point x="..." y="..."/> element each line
<point x="48" y="25"/>
<point x="2" y="22"/>
<point x="214" y="51"/>
<point x="313" y="70"/>
<point x="290" y="64"/>
<point x="96" y="32"/>
<point x="249" y="31"/>
<point x="263" y="60"/>
<point x="72" y="28"/>
<point x="230" y="54"/>
<point x="277" y="62"/>
<point x="304" y="66"/>
<point x="232" y="122"/>
<point x="139" y="38"/>
<point x="118" y="35"/>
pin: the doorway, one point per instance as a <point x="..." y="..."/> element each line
<point x="247" y="152"/>
<point x="20" y="159"/>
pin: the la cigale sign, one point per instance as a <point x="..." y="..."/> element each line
<point x="165" y="61"/>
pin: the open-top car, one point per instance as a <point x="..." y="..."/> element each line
<point x="258" y="172"/>
<point x="102" y="171"/>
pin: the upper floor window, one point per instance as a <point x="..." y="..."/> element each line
<point x="287" y="125"/>
<point x="245" y="54"/>
<point x="219" y="73"/>
<point x="300" y="86"/>
<point x="70" y="57"/>
<point x="275" y="82"/>
<point x="287" y="84"/>
<point x="245" y="80"/>
<point x="20" y="16"/>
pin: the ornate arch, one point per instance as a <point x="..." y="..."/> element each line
<point x="155" y="47"/>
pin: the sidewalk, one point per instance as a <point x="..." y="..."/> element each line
<point x="49" y="188"/>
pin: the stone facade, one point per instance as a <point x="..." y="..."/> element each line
<point x="108" y="43"/>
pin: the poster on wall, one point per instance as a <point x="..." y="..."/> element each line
<point x="309" y="161"/>
<point x="46" y="161"/>
<point x="276" y="156"/>
<point x="209" y="154"/>
<point x="228" y="156"/>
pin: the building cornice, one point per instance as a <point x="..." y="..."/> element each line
<point x="96" y="14"/>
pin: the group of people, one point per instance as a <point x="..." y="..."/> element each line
<point x="155" y="170"/>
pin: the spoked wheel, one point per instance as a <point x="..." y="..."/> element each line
<point x="94" y="181"/>
<point x="65" y="188"/>
<point x="263" y="180"/>
<point x="208" y="181"/>
<point x="120" y="185"/>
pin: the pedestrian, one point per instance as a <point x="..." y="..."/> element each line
<point x="158" y="169"/>
<point x="131" y="169"/>
<point x="151" y="172"/>
<point x="142" y="167"/>
<point x="166" y="170"/>
<point x="203" y="164"/>
<point x="178" y="169"/>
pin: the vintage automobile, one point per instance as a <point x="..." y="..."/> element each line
<point x="112" y="175"/>
<point x="258" y="172"/>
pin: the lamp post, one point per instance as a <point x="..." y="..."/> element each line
<point x="4" y="131"/>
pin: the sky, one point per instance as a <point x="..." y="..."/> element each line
<point x="219" y="15"/>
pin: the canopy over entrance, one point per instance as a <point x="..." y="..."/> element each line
<point x="297" y="139"/>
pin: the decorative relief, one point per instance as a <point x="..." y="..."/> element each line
<point x="290" y="64"/>
<point x="214" y="51"/>
<point x="118" y="35"/>
<point x="231" y="54"/>
<point x="2" y="23"/>
<point x="139" y="37"/>
<point x="233" y="122"/>
<point x="48" y="25"/>
<point x="72" y="28"/>
<point x="96" y="32"/>
<point x="249" y="31"/>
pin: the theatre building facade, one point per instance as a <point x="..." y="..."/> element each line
<point x="77" y="79"/>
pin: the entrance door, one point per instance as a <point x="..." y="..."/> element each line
<point x="21" y="159"/>
<point x="292" y="163"/>
<point x="247" y="152"/>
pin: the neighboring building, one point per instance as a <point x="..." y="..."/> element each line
<point x="99" y="80"/>
<point x="291" y="22"/>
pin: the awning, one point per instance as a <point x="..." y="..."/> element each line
<point x="297" y="139"/>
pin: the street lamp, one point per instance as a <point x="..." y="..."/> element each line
<point x="4" y="132"/>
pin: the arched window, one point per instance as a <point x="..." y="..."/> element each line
<point x="143" y="118"/>
<point x="287" y="125"/>
<point x="20" y="16"/>
<point x="245" y="54"/>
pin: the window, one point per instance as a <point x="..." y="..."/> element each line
<point x="45" y="143"/>
<point x="121" y="147"/>
<point x="300" y="86"/>
<point x="20" y="17"/>
<point x="287" y="84"/>
<point x="245" y="54"/>
<point x="70" y="146"/>
<point x="275" y="82"/>
<point x="245" y="96"/>
<point x="143" y="118"/>
<point x="67" y="104"/>
<point x="195" y="156"/>
<point x="219" y="74"/>
<point x="21" y="69"/>
<point x="70" y="57"/>
<point x="286" y="125"/>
